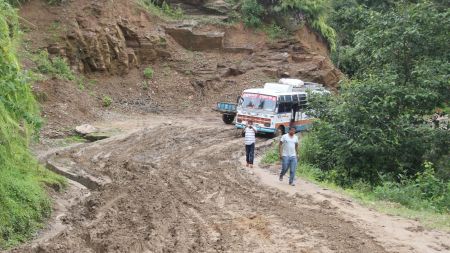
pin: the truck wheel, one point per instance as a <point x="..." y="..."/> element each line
<point x="279" y="132"/>
<point x="227" y="118"/>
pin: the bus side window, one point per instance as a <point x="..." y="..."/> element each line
<point x="303" y="102"/>
<point x="281" y="107"/>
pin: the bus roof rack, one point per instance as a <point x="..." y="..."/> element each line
<point x="291" y="81"/>
<point x="278" y="87"/>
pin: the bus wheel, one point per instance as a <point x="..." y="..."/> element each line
<point x="279" y="131"/>
<point x="227" y="118"/>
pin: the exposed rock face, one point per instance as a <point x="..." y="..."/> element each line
<point x="115" y="47"/>
<point x="185" y="36"/>
<point x="100" y="38"/>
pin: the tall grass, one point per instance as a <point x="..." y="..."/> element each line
<point x="23" y="200"/>
<point x="163" y="11"/>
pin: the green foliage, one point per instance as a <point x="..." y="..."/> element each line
<point x="145" y="85"/>
<point x="281" y="15"/>
<point x="74" y="139"/>
<point x="320" y="25"/>
<point x="408" y="31"/>
<point x="162" y="9"/>
<point x="271" y="156"/>
<point x="425" y="192"/>
<point x="56" y="67"/>
<point x="23" y="201"/>
<point x="375" y="132"/>
<point x="311" y="8"/>
<point x="55" y="2"/>
<point x="176" y="13"/>
<point x="252" y="13"/>
<point x="315" y="12"/>
<point x="376" y="129"/>
<point x="106" y="101"/>
<point x="274" y="31"/>
<point x="148" y="73"/>
<point x="403" y="40"/>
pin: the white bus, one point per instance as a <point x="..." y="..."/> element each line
<point x="277" y="106"/>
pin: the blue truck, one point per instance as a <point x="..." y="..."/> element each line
<point x="228" y="111"/>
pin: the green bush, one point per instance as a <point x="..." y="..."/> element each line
<point x="148" y="73"/>
<point x="252" y="13"/>
<point x="106" y="101"/>
<point x="274" y="31"/>
<point x="376" y="125"/>
<point x="424" y="192"/>
<point x="176" y="13"/>
<point x="315" y="13"/>
<point x="320" y="25"/>
<point x="272" y="155"/>
<point x="162" y="9"/>
<point x="56" y="67"/>
<point x="375" y="132"/>
<point x="23" y="201"/>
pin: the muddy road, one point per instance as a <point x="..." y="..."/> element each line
<point x="181" y="188"/>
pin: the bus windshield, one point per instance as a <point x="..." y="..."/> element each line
<point x="258" y="101"/>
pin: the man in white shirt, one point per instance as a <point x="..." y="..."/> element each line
<point x="250" y="139"/>
<point x="288" y="155"/>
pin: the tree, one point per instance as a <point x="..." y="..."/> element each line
<point x="376" y="126"/>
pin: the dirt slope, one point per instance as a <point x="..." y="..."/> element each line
<point x="195" y="63"/>
<point x="394" y="233"/>
<point x="184" y="191"/>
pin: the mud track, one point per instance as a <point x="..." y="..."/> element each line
<point x="182" y="189"/>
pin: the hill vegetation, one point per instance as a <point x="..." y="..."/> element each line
<point x="288" y="15"/>
<point x="23" y="199"/>
<point x="377" y="131"/>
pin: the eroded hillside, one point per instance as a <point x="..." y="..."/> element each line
<point x="194" y="62"/>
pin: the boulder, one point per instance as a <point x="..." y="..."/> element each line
<point x="85" y="129"/>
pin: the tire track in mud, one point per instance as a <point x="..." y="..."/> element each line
<point x="183" y="191"/>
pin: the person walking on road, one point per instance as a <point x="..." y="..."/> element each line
<point x="250" y="139"/>
<point x="288" y="155"/>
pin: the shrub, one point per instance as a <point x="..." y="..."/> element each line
<point x="252" y="13"/>
<point x="316" y="14"/>
<point x="176" y="13"/>
<point x="274" y="31"/>
<point x="145" y="85"/>
<point x="376" y="127"/>
<point x="162" y="9"/>
<point x="424" y="192"/>
<point x="56" y="67"/>
<point x="106" y="101"/>
<point x="272" y="155"/>
<point x="62" y="69"/>
<point x="148" y="73"/>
